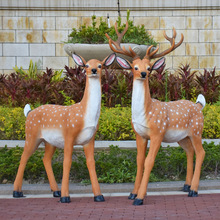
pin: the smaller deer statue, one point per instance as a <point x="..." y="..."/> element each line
<point x="178" y="121"/>
<point x="64" y="127"/>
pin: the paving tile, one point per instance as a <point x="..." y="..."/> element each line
<point x="155" y="207"/>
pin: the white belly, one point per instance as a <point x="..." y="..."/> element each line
<point x="53" y="137"/>
<point x="141" y="130"/>
<point x="174" y="135"/>
<point x="85" y="135"/>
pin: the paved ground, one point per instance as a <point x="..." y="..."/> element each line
<point x="175" y="207"/>
<point x="164" y="201"/>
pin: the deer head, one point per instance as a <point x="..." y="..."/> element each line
<point x="141" y="68"/>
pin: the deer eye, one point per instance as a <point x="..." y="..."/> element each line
<point x="148" y="68"/>
<point x="99" y="66"/>
<point x="86" y="65"/>
<point x="136" y="68"/>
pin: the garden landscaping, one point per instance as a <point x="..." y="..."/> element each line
<point x="114" y="165"/>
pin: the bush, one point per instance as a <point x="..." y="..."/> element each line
<point x="95" y="34"/>
<point x="114" y="123"/>
<point x="113" y="165"/>
<point x="211" y="121"/>
<point x="12" y="123"/>
<point x="17" y="89"/>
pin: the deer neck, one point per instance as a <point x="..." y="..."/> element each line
<point x="92" y="101"/>
<point x="141" y="101"/>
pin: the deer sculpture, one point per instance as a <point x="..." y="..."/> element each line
<point x="177" y="121"/>
<point x="64" y="127"/>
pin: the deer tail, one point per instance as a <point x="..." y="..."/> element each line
<point x="201" y="100"/>
<point x="27" y="109"/>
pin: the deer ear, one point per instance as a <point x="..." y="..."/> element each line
<point x="109" y="60"/>
<point x="78" y="60"/>
<point x="125" y="64"/>
<point x="158" y="63"/>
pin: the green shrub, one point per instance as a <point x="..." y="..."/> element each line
<point x="211" y="121"/>
<point x="116" y="166"/>
<point x="96" y="33"/>
<point x="114" y="123"/>
<point x="12" y="123"/>
<point x="113" y="165"/>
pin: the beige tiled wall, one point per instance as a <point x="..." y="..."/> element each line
<point x="40" y="35"/>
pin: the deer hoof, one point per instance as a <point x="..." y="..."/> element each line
<point x="186" y="188"/>
<point x="193" y="193"/>
<point x="57" y="194"/>
<point x="17" y="194"/>
<point x="65" y="199"/>
<point x="138" y="202"/>
<point x="132" y="196"/>
<point x="99" y="198"/>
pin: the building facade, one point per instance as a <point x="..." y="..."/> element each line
<point x="36" y="30"/>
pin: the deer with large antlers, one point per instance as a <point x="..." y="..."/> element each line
<point x="178" y="121"/>
<point x="64" y="127"/>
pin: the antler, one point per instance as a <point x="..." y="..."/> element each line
<point x="152" y="55"/>
<point x="117" y="48"/>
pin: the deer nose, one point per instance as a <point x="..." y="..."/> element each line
<point x="143" y="74"/>
<point x="94" y="71"/>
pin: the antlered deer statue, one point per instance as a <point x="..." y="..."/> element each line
<point x="178" y="121"/>
<point x="64" y="127"/>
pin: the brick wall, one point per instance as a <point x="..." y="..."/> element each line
<point x="37" y="29"/>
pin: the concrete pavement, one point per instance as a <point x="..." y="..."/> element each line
<point x="117" y="189"/>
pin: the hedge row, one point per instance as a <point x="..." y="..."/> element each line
<point x="19" y="88"/>
<point x="114" y="123"/>
<point x="113" y="166"/>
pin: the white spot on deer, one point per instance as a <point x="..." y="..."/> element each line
<point x="73" y="125"/>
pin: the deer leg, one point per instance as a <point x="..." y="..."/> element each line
<point x="90" y="161"/>
<point x="148" y="165"/>
<point x="20" y="174"/>
<point x="186" y="144"/>
<point x="67" y="162"/>
<point x="141" y="151"/>
<point x="47" y="160"/>
<point x="200" y="154"/>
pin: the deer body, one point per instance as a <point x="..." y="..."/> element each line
<point x="174" y="120"/>
<point x="50" y="120"/>
<point x="178" y="121"/>
<point x="63" y="127"/>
